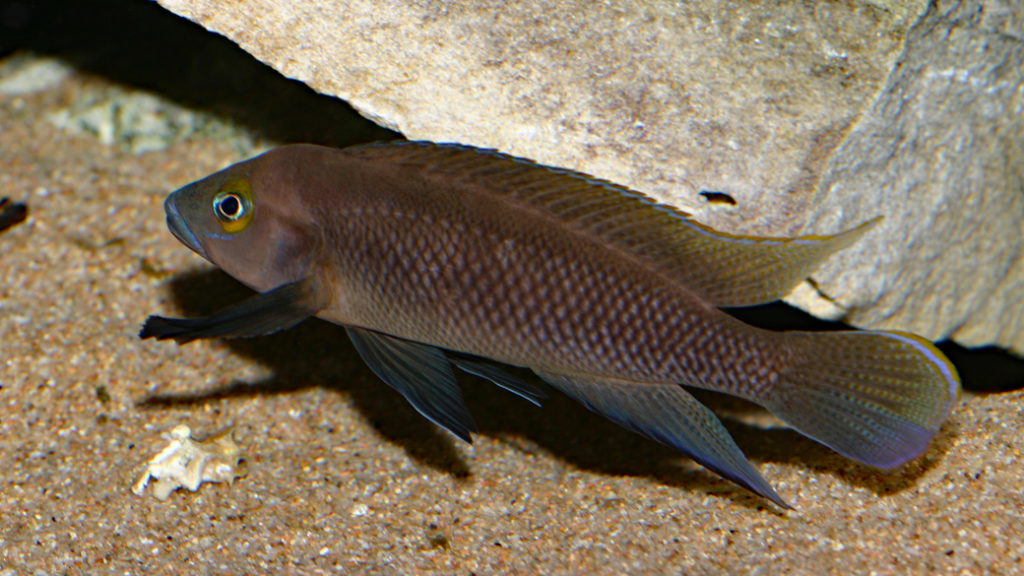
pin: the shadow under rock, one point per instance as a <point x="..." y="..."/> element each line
<point x="140" y="44"/>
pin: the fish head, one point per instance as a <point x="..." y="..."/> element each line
<point x="249" y="220"/>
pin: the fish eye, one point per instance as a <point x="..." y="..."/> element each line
<point x="228" y="207"/>
<point x="233" y="206"/>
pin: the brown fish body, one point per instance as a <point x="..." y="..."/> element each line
<point x="453" y="265"/>
<point x="438" y="256"/>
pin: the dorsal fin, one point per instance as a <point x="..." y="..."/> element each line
<point x="727" y="269"/>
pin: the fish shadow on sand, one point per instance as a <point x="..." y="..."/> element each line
<point x="317" y="354"/>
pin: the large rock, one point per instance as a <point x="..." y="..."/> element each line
<point x="941" y="155"/>
<point x="813" y="117"/>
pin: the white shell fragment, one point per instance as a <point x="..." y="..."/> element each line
<point x="188" y="462"/>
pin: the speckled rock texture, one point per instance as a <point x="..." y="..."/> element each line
<point x="342" y="476"/>
<point x="813" y="117"/>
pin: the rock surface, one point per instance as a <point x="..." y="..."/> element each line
<point x="671" y="100"/>
<point x="813" y="117"/>
<point x="941" y="155"/>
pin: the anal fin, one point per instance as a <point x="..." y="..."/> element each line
<point x="498" y="375"/>
<point x="671" y="415"/>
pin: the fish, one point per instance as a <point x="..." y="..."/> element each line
<point x="438" y="258"/>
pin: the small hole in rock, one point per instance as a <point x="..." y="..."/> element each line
<point x="718" y="197"/>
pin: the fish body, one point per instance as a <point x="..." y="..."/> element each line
<point x="434" y="256"/>
<point x="460" y="269"/>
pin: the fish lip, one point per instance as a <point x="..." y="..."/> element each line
<point x="176" y="224"/>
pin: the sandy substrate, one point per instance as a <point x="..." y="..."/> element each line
<point x="343" y="476"/>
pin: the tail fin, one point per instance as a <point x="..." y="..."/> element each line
<point x="875" y="397"/>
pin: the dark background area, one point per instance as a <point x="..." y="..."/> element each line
<point x="139" y="44"/>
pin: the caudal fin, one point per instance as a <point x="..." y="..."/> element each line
<point x="875" y="397"/>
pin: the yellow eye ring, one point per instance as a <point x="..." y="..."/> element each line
<point x="233" y="206"/>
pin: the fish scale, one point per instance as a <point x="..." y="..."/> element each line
<point x="436" y="257"/>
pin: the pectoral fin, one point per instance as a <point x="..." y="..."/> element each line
<point x="499" y="376"/>
<point x="264" y="313"/>
<point x="671" y="415"/>
<point x="419" y="372"/>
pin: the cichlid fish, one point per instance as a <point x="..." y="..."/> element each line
<point x="437" y="256"/>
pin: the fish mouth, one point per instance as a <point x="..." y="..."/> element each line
<point x="176" y="224"/>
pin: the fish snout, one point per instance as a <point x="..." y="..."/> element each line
<point x="177" y="225"/>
